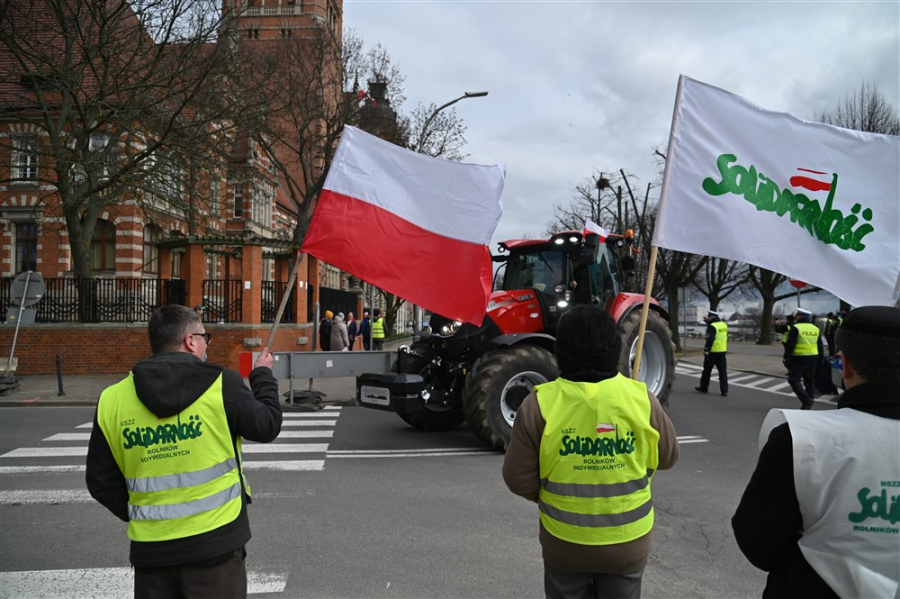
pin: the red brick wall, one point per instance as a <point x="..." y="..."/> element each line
<point x="114" y="348"/>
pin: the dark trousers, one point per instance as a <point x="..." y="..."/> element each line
<point x="559" y="584"/>
<point x="802" y="378"/>
<point x="366" y="342"/>
<point x="378" y="344"/>
<point x="718" y="360"/>
<point x="227" y="580"/>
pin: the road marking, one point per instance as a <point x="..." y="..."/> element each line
<point x="45" y="452"/>
<point x="307" y="415"/>
<point x="45" y="496"/>
<point x="13" y="470"/>
<point x="309" y="423"/>
<point x="762" y="381"/>
<point x="691" y="439"/>
<point x="417" y="454"/>
<point x="105" y="582"/>
<point x="57" y="452"/>
<point x="86" y="425"/>
<point x="306" y="434"/>
<point x="777" y="388"/>
<point x="284" y="448"/>
<point x="742" y="377"/>
<point x="286" y="465"/>
<point x="70" y="437"/>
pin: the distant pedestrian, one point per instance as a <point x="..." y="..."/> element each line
<point x="820" y="512"/>
<point x="352" y="329"/>
<point x="365" y="330"/>
<point x="165" y="456"/>
<point x="802" y="353"/>
<point x="831" y="325"/>
<point x="325" y="331"/>
<point x="200" y="309"/>
<point x="714" y="353"/>
<point x="377" y="330"/>
<point x="340" y="340"/>
<point x="585" y="448"/>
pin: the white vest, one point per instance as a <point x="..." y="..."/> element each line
<point x="847" y="478"/>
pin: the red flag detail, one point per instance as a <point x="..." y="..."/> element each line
<point x="810" y="184"/>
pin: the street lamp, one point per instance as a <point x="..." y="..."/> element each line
<point x="440" y="108"/>
<point x="417" y="311"/>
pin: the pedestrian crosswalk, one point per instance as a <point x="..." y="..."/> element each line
<point x="302" y="434"/>
<point x="759" y="382"/>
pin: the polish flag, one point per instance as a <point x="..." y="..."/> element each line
<point x="605" y="428"/>
<point x="416" y="226"/>
<point x="592" y="227"/>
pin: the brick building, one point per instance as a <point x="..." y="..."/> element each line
<point x="171" y="226"/>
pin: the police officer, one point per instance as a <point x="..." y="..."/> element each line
<point x="820" y="512"/>
<point x="377" y="330"/>
<point x="584" y="448"/>
<point x="802" y="353"/>
<point x="714" y="353"/>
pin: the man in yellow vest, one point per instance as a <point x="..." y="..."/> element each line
<point x="714" y="353"/>
<point x="377" y="330"/>
<point x="165" y="456"/>
<point x="820" y="513"/>
<point x="584" y="448"/>
<point x="802" y="353"/>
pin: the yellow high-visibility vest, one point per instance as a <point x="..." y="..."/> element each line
<point x="807" y="339"/>
<point x="378" y="329"/>
<point x="720" y="343"/>
<point x="182" y="472"/>
<point x="597" y="457"/>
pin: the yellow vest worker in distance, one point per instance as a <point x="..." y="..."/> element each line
<point x="714" y="353"/>
<point x="377" y="330"/>
<point x="585" y="448"/>
<point x="165" y="456"/>
<point x="802" y="352"/>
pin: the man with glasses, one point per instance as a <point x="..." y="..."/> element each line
<point x="165" y="456"/>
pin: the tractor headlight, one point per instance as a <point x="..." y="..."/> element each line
<point x="450" y="328"/>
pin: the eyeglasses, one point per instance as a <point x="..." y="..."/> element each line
<point x="206" y="336"/>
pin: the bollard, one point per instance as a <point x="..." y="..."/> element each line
<point x="59" y="376"/>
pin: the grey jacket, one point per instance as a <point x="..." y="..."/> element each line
<point x="339" y="337"/>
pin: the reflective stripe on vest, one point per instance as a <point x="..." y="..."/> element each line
<point x="597" y="457"/>
<point x="807" y="339"/>
<point x="720" y="343"/>
<point x="182" y="472"/>
<point x="378" y="329"/>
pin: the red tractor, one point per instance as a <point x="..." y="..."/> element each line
<point x="481" y="374"/>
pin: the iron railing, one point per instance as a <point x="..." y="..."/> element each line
<point x="223" y="300"/>
<point x="98" y="300"/>
<point x="272" y="294"/>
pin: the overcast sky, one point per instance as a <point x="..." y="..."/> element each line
<point x="582" y="87"/>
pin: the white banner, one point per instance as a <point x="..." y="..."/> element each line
<point x="814" y="202"/>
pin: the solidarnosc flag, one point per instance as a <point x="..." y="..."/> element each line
<point x="413" y="225"/>
<point x="811" y="201"/>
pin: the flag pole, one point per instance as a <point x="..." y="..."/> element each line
<point x="651" y="270"/>
<point x="284" y="300"/>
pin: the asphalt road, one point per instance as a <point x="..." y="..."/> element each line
<point x="369" y="507"/>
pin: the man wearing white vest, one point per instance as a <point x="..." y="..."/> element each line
<point x="584" y="448"/>
<point x="165" y="456"/>
<point x="821" y="513"/>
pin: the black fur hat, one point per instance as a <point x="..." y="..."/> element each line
<point x="587" y="339"/>
<point x="871" y="335"/>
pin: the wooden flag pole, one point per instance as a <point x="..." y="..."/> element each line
<point x="645" y="311"/>
<point x="284" y="300"/>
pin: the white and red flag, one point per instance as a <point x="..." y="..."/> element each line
<point x="592" y="227"/>
<point x="413" y="225"/>
<point x="810" y="201"/>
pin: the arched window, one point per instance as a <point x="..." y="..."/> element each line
<point x="151" y="252"/>
<point x="103" y="246"/>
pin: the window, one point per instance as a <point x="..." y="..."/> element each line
<point x="238" y="201"/>
<point x="24" y="158"/>
<point x="176" y="264"/>
<point x="151" y="252"/>
<point x="101" y="143"/>
<point x="103" y="246"/>
<point x="262" y="209"/>
<point x="26" y="246"/>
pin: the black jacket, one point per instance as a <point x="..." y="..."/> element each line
<point x="768" y="523"/>
<point x="167" y="384"/>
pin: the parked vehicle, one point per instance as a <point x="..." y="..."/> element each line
<point x="483" y="373"/>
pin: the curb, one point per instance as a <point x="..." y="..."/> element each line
<point x="37" y="402"/>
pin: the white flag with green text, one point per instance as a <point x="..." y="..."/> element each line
<point x="814" y="202"/>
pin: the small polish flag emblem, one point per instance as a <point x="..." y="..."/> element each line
<point x="605" y="428"/>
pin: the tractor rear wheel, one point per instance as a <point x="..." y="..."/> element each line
<point x="499" y="382"/>
<point x="658" y="355"/>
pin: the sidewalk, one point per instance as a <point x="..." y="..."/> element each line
<point x="84" y="390"/>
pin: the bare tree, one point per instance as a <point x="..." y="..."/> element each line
<point x="865" y="111"/>
<point x="114" y="95"/>
<point x="721" y="278"/>
<point x="593" y="199"/>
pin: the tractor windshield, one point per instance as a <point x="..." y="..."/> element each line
<point x="538" y="270"/>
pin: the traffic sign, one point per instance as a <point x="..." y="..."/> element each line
<point x="797" y="284"/>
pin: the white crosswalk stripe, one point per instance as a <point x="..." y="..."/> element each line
<point x="105" y="582"/>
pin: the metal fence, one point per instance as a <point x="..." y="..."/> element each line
<point x="335" y="300"/>
<point x="223" y="300"/>
<point x="272" y="294"/>
<point x="98" y="300"/>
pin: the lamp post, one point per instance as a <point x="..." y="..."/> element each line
<point x="417" y="311"/>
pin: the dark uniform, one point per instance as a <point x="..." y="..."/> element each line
<point x="802" y="353"/>
<point x="714" y="353"/>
